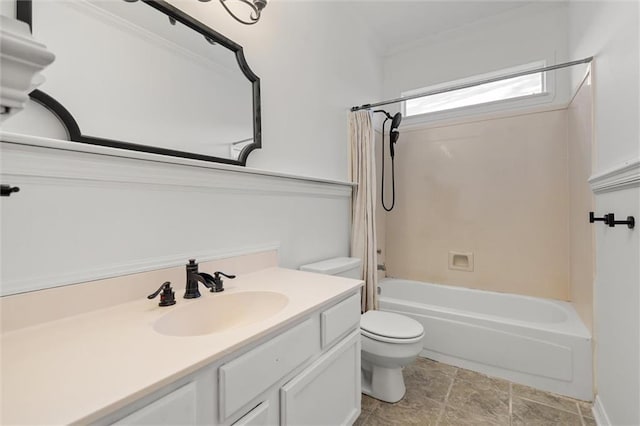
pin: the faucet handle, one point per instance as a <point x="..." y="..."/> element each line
<point x="167" y="298"/>
<point x="218" y="273"/>
<point x="217" y="281"/>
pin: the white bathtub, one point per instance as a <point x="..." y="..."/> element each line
<point x="532" y="341"/>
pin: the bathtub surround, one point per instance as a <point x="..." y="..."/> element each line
<point x="443" y="174"/>
<point x="362" y="172"/>
<point x="532" y="341"/>
<point x="495" y="188"/>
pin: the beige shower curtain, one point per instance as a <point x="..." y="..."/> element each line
<point x="362" y="171"/>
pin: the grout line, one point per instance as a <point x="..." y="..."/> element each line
<point x="511" y="404"/>
<point x="551" y="406"/>
<point x="455" y="377"/>
<point x="446" y="397"/>
<point x="581" y="416"/>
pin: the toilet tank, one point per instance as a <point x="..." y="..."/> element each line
<point x="348" y="267"/>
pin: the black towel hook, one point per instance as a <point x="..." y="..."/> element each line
<point x="593" y="218"/>
<point x="7" y="190"/>
<point x="611" y="221"/>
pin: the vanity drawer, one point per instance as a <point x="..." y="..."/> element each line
<point x="176" y="408"/>
<point x="251" y="374"/>
<point x="339" y="320"/>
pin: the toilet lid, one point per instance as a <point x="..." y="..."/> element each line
<point x="387" y="324"/>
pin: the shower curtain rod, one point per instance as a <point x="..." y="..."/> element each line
<point x="473" y="84"/>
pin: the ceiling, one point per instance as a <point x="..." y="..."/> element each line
<point x="395" y="23"/>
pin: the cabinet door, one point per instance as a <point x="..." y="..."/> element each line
<point x="328" y="391"/>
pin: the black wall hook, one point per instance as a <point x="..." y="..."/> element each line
<point x="593" y="218"/>
<point x="611" y="221"/>
<point x="6" y="190"/>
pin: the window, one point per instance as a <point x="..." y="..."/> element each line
<point x="512" y="88"/>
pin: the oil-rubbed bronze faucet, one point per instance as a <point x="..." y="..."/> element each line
<point x="213" y="283"/>
<point x="193" y="276"/>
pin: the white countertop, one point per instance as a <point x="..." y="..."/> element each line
<point x="81" y="368"/>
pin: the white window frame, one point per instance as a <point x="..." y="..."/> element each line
<point x="520" y="102"/>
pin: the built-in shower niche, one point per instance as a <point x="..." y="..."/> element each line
<point x="461" y="261"/>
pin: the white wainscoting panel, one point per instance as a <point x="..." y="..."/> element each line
<point x="617" y="296"/>
<point x="82" y="216"/>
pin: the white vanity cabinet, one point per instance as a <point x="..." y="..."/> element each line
<point x="310" y="374"/>
<point x="306" y="373"/>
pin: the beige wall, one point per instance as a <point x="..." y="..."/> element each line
<point x="581" y="253"/>
<point x="498" y="188"/>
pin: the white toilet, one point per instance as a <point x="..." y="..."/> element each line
<point x="389" y="341"/>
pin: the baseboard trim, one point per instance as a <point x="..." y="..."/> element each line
<point x="623" y="176"/>
<point x="599" y="413"/>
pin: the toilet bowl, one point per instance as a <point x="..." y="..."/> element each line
<point x="389" y="341"/>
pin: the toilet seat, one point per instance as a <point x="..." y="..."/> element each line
<point x="391" y="328"/>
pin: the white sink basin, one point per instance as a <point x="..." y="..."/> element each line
<point x="213" y="313"/>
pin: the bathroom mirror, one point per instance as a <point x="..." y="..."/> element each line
<point x="144" y="76"/>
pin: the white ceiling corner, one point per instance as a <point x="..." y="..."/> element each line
<point x="394" y="24"/>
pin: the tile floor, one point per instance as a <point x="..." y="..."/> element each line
<point x="440" y="394"/>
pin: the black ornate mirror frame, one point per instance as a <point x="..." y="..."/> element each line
<point x="24" y="13"/>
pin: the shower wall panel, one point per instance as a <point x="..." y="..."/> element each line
<point x="496" y="188"/>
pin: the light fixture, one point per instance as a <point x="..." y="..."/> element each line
<point x="256" y="7"/>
